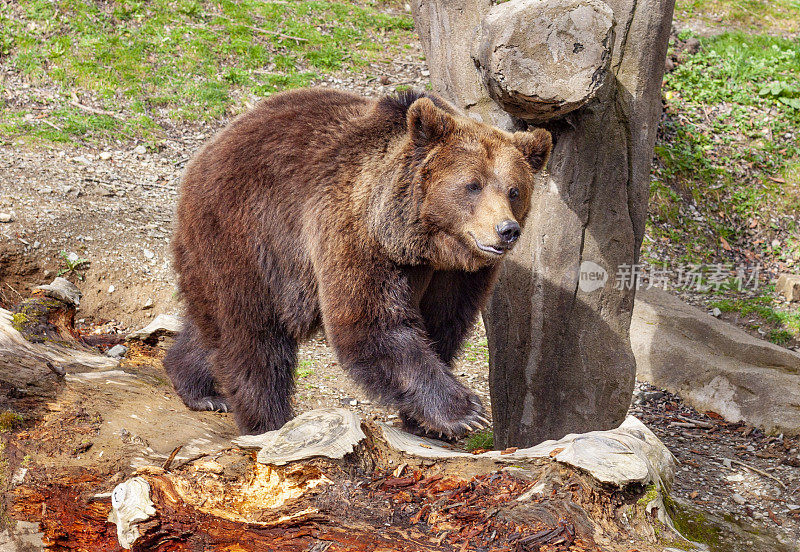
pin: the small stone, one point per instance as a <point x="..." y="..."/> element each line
<point x="148" y="304"/>
<point x="789" y="286"/>
<point x="6" y="217"/>
<point x="117" y="351"/>
<point x="426" y="73"/>
<point x="149" y="254"/>
<point x="727" y="463"/>
<point x="651" y="396"/>
<point x="62" y="290"/>
<point x="111" y="289"/>
<point x="82" y="159"/>
<point x="385" y="80"/>
<point x="163" y="325"/>
<point x="716" y="313"/>
<point x="140" y="150"/>
<point x="348" y="401"/>
<point x="105" y="155"/>
<point x="793" y="507"/>
<point x="738" y="499"/>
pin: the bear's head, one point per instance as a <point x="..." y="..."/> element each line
<point x="476" y="184"/>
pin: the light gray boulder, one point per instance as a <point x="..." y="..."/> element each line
<point x="713" y="365"/>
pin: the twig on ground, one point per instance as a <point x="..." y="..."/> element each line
<point x="698" y="423"/>
<point x="94" y="110"/>
<point x="758" y="471"/>
<point x="55" y="126"/>
<point x="172" y="456"/>
<point x="14" y="290"/>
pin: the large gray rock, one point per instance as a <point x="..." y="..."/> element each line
<point x="714" y="365"/>
<point x="560" y="356"/>
<point x="542" y="59"/>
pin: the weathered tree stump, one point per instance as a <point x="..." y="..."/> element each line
<point x="557" y="323"/>
<point x="325" y="481"/>
<point x="49" y="314"/>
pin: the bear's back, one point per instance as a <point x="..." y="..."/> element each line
<point x="270" y="148"/>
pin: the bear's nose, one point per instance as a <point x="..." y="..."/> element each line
<point x="508" y="230"/>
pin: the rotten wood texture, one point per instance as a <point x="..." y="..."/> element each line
<point x="214" y="505"/>
<point x="376" y="498"/>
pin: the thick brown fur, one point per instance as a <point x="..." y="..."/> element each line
<point x="384" y="221"/>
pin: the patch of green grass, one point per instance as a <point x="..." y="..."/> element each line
<point x="171" y="61"/>
<point x="763" y="16"/>
<point x="730" y="151"/>
<point x="787" y="322"/>
<point x="304" y="368"/>
<point x="476" y="351"/>
<point x="483" y="439"/>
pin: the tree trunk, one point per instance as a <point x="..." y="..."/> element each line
<point x="558" y="322"/>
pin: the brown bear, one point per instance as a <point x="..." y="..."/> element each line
<point x="384" y="221"/>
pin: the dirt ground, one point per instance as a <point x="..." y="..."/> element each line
<point x="114" y="208"/>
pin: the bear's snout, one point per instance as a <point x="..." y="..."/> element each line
<point x="508" y="230"/>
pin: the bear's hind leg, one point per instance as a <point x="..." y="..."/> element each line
<point x="188" y="365"/>
<point x="256" y="363"/>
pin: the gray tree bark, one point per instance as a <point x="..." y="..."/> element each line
<point x="560" y="354"/>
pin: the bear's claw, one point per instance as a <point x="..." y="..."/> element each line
<point x="212" y="403"/>
<point x="451" y="415"/>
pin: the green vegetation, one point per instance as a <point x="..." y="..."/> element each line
<point x="74" y="264"/>
<point x="476" y="350"/>
<point x="730" y="149"/>
<point x="10" y="420"/>
<point x="143" y="66"/>
<point x="775" y="16"/>
<point x="304" y="368"/>
<point x="481" y="440"/>
<point x="785" y="324"/>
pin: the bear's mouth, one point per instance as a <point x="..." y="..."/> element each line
<point x="493" y="249"/>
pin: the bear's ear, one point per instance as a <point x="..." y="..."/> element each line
<point x="535" y="145"/>
<point x="428" y="124"/>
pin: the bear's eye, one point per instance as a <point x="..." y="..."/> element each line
<point x="513" y="193"/>
<point x="474" y="187"/>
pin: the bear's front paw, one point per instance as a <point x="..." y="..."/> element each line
<point x="213" y="403"/>
<point x="448" y="413"/>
